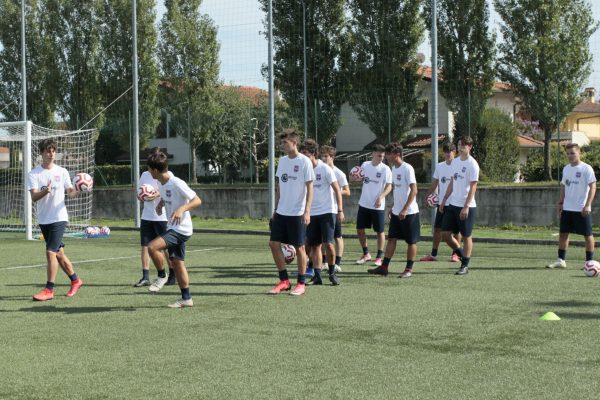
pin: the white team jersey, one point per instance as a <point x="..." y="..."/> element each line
<point x="463" y="173"/>
<point x="50" y="208"/>
<point x="376" y="177"/>
<point x="324" y="201"/>
<point x="403" y="176"/>
<point x="443" y="174"/>
<point x="293" y="174"/>
<point x="341" y="177"/>
<point x="149" y="210"/>
<point x="576" y="181"/>
<point x="174" y="194"/>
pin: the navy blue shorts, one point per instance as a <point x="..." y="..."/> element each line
<point x="288" y="229"/>
<point x="574" y="222"/>
<point x="367" y="218"/>
<point x="439" y="217"/>
<point x="320" y="230"/>
<point x="454" y="224"/>
<point x="53" y="235"/>
<point x="175" y="244"/>
<point x="150" y="230"/>
<point x="408" y="229"/>
<point x="337" y="229"/>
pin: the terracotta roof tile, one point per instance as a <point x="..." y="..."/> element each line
<point x="528" y="142"/>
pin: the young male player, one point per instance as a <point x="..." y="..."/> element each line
<point x="577" y="191"/>
<point x="326" y="209"/>
<point x="404" y="214"/>
<point x="178" y="199"/>
<point x="328" y="157"/>
<point x="459" y="214"/>
<point x="377" y="184"/>
<point x="441" y="179"/>
<point x="293" y="201"/>
<point x="152" y="225"/>
<point x="47" y="184"/>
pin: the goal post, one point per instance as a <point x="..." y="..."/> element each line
<point x="19" y="154"/>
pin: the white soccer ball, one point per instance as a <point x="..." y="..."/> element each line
<point x="357" y="173"/>
<point x="105" y="230"/>
<point x="91" y="231"/>
<point x="591" y="268"/>
<point x="83" y="182"/>
<point x="146" y="192"/>
<point x="432" y="200"/>
<point x="289" y="252"/>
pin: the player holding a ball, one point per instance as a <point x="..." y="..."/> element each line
<point x="47" y="184"/>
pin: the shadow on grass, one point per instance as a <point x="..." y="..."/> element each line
<point x="77" y="310"/>
<point x="582" y="316"/>
<point x="568" y="303"/>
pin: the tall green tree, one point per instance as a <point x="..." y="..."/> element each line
<point x="42" y="88"/>
<point x="545" y="56"/>
<point x="385" y="37"/>
<point x="326" y="29"/>
<point x="498" y="149"/>
<point x="466" y="51"/>
<point x="188" y="54"/>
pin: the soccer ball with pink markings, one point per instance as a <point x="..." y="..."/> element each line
<point x="146" y="192"/>
<point x="357" y="173"/>
<point x="83" y="182"/>
<point x="289" y="252"/>
<point x="591" y="268"/>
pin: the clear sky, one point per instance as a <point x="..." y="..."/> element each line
<point x="244" y="47"/>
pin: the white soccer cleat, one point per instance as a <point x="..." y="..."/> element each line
<point x="559" y="263"/>
<point x="363" y="259"/>
<point x="337" y="268"/>
<point x="158" y="284"/>
<point x="182" y="303"/>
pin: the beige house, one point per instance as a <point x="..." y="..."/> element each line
<point x="582" y="125"/>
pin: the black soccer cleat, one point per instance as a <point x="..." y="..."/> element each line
<point x="315" y="280"/>
<point x="378" y="271"/>
<point x="171" y="280"/>
<point x="333" y="278"/>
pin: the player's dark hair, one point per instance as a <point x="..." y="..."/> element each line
<point x="378" y="148"/>
<point x="329" y="150"/>
<point x="46" y="144"/>
<point x="466" y="140"/>
<point x="159" y="161"/>
<point x="448" y="147"/>
<point x="394" y="147"/>
<point x="290" y="134"/>
<point x="572" y="146"/>
<point x="310" y="146"/>
<point x="154" y="150"/>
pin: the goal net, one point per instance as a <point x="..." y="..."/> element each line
<point x="19" y="154"/>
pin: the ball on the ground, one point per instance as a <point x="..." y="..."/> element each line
<point x="432" y="200"/>
<point x="591" y="268"/>
<point x="146" y="192"/>
<point x="357" y="173"/>
<point x="83" y="182"/>
<point x="289" y="252"/>
<point x="91" y="231"/>
<point x="105" y="230"/>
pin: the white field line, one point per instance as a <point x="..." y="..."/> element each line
<point x="102" y="259"/>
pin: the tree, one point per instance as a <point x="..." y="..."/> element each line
<point x="466" y="52"/>
<point x="325" y="33"/>
<point x="384" y="64"/>
<point x="498" y="149"/>
<point x="188" y="53"/>
<point x="545" y="56"/>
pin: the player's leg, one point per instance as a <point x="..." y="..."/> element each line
<point x="339" y="245"/>
<point x="68" y="269"/>
<point x="410" y="229"/>
<point x="363" y="221"/>
<point x="379" y="228"/>
<point x="279" y="235"/>
<point x="53" y="234"/>
<point x="454" y="257"/>
<point x="466" y="230"/>
<point x="390" y="248"/>
<point x="146" y="236"/>
<point x="155" y="250"/>
<point x="327" y="227"/>
<point x="585" y="229"/>
<point x="176" y="246"/>
<point x="567" y="225"/>
<point x="437" y="237"/>
<point x="313" y="241"/>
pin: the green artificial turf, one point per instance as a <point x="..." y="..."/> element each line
<point x="433" y="336"/>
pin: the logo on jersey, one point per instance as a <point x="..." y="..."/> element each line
<point x="399" y="177"/>
<point x="464" y="169"/>
<point x="378" y="175"/>
<point x="168" y="192"/>
<point x="318" y="177"/>
<point x="366" y="180"/>
<point x="444" y="179"/>
<point x="296" y="168"/>
<point x="577" y="174"/>
<point x="56" y="178"/>
<point x="284" y="178"/>
<point x="456" y="176"/>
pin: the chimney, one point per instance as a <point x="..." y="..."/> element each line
<point x="589" y="95"/>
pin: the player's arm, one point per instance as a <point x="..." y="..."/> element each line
<point x="159" y="207"/>
<point x="71" y="192"/>
<point x="37" y="194"/>
<point x="432" y="187"/>
<point x="345" y="191"/>
<point x="276" y="197"/>
<point x="411" y="197"/>
<point x="309" y="199"/>
<point x="338" y="198"/>
<point x="587" y="209"/>
<point x="447" y="195"/>
<point x="386" y="190"/>
<point x="464" y="213"/>
<point x="561" y="198"/>
<point x="178" y="214"/>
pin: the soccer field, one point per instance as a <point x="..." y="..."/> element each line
<point x="434" y="336"/>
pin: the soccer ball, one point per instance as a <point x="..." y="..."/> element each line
<point x="289" y="252"/>
<point x="432" y="200"/>
<point x="591" y="268"/>
<point x="105" y="230"/>
<point x="145" y="192"/>
<point x="91" y="231"/>
<point x="357" y="173"/>
<point x="83" y="182"/>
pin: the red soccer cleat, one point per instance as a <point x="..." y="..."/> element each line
<point x="428" y="258"/>
<point x="455" y="258"/>
<point x="281" y="286"/>
<point x="298" y="290"/>
<point x="45" y="294"/>
<point x="75" y="285"/>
